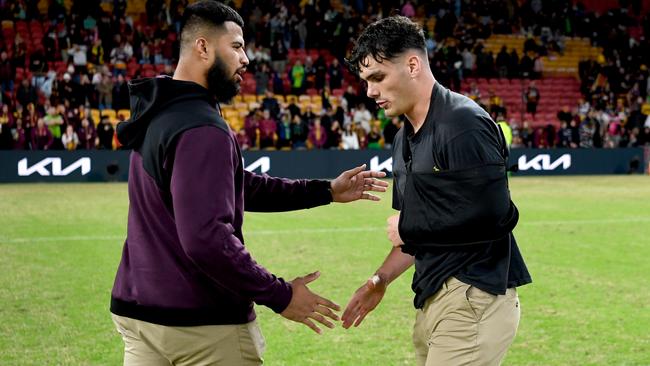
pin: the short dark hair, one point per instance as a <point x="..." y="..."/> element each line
<point x="206" y="13"/>
<point x="385" y="39"/>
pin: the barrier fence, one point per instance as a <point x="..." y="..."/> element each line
<point x="102" y="166"/>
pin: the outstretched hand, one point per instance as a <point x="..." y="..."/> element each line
<point x="306" y="307"/>
<point x="354" y="184"/>
<point x="364" y="300"/>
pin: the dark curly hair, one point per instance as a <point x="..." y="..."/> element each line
<point x="385" y="39"/>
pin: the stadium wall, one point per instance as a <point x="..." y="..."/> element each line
<point x="106" y="166"/>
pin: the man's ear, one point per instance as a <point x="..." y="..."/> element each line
<point x="414" y="64"/>
<point x="201" y="47"/>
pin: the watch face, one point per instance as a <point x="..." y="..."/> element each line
<point x="375" y="280"/>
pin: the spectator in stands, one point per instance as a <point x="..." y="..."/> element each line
<point x="320" y="69"/>
<point x="502" y="62"/>
<point x="613" y="135"/>
<point x="38" y="67"/>
<point x="26" y="93"/>
<point x="362" y="135"/>
<point x="268" y="130"/>
<point x="71" y="116"/>
<point x="120" y="56"/>
<point x="469" y="60"/>
<point x="96" y="54"/>
<point x="54" y="122"/>
<point x="105" y="91"/>
<point x="565" y="115"/>
<point x="334" y="134"/>
<point x="317" y="135"/>
<point x="310" y="73"/>
<point x="7" y="123"/>
<point x="495" y="104"/>
<point x="29" y="118"/>
<point x="105" y="132"/>
<point x="336" y="74"/>
<point x="505" y="128"/>
<point x="65" y="88"/>
<point x="262" y="77"/>
<point x="526" y="134"/>
<point x="564" y="135"/>
<point x="279" y="56"/>
<point x="70" y="139"/>
<point x="120" y="93"/>
<point x="362" y="117"/>
<point x="532" y="97"/>
<point x="526" y="66"/>
<point x="20" y="137"/>
<point x="350" y="98"/>
<point x="87" y="135"/>
<point x="299" y="132"/>
<point x="251" y="126"/>
<point x="86" y="113"/>
<point x="513" y="64"/>
<point x="297" y="78"/>
<point x="243" y="140"/>
<point x="271" y="104"/>
<point x="284" y="131"/>
<point x="349" y="138"/>
<point x="79" y="58"/>
<point x="408" y="10"/>
<point x="41" y="136"/>
<point x="587" y="131"/>
<point x="258" y="55"/>
<point x="375" y="140"/>
<point x="7" y="73"/>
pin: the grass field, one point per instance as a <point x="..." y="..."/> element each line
<point x="586" y="241"/>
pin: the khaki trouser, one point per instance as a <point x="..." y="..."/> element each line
<point x="463" y="325"/>
<point x="152" y="344"/>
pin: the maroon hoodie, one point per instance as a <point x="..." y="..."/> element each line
<point x="184" y="262"/>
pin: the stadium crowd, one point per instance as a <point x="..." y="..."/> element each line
<point x="64" y="72"/>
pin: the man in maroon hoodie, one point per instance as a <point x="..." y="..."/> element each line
<point x="185" y="287"/>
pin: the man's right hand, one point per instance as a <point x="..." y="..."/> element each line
<point x="306" y="306"/>
<point x="364" y="300"/>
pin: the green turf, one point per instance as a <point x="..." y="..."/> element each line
<point x="586" y="241"/>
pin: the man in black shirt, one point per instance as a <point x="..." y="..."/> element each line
<point x="456" y="217"/>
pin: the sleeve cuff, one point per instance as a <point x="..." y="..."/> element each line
<point x="320" y="191"/>
<point x="281" y="298"/>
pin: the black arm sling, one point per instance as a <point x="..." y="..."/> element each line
<point x="456" y="208"/>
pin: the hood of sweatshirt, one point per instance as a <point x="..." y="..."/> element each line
<point x="148" y="97"/>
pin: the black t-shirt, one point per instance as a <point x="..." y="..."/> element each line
<point x="456" y="134"/>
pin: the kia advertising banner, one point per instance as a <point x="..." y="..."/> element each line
<point x="577" y="161"/>
<point x="102" y="166"/>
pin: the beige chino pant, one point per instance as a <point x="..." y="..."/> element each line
<point x="224" y="345"/>
<point x="463" y="325"/>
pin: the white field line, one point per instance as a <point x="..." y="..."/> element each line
<point x="43" y="239"/>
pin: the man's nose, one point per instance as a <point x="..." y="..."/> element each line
<point x="372" y="92"/>
<point x="244" y="59"/>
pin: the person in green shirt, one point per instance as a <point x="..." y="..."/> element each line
<point x="54" y="121"/>
<point x="505" y="127"/>
<point x="297" y="78"/>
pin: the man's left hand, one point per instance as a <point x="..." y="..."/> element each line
<point x="354" y="184"/>
<point x="392" y="231"/>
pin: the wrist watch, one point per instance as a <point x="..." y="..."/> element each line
<point x="375" y="279"/>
